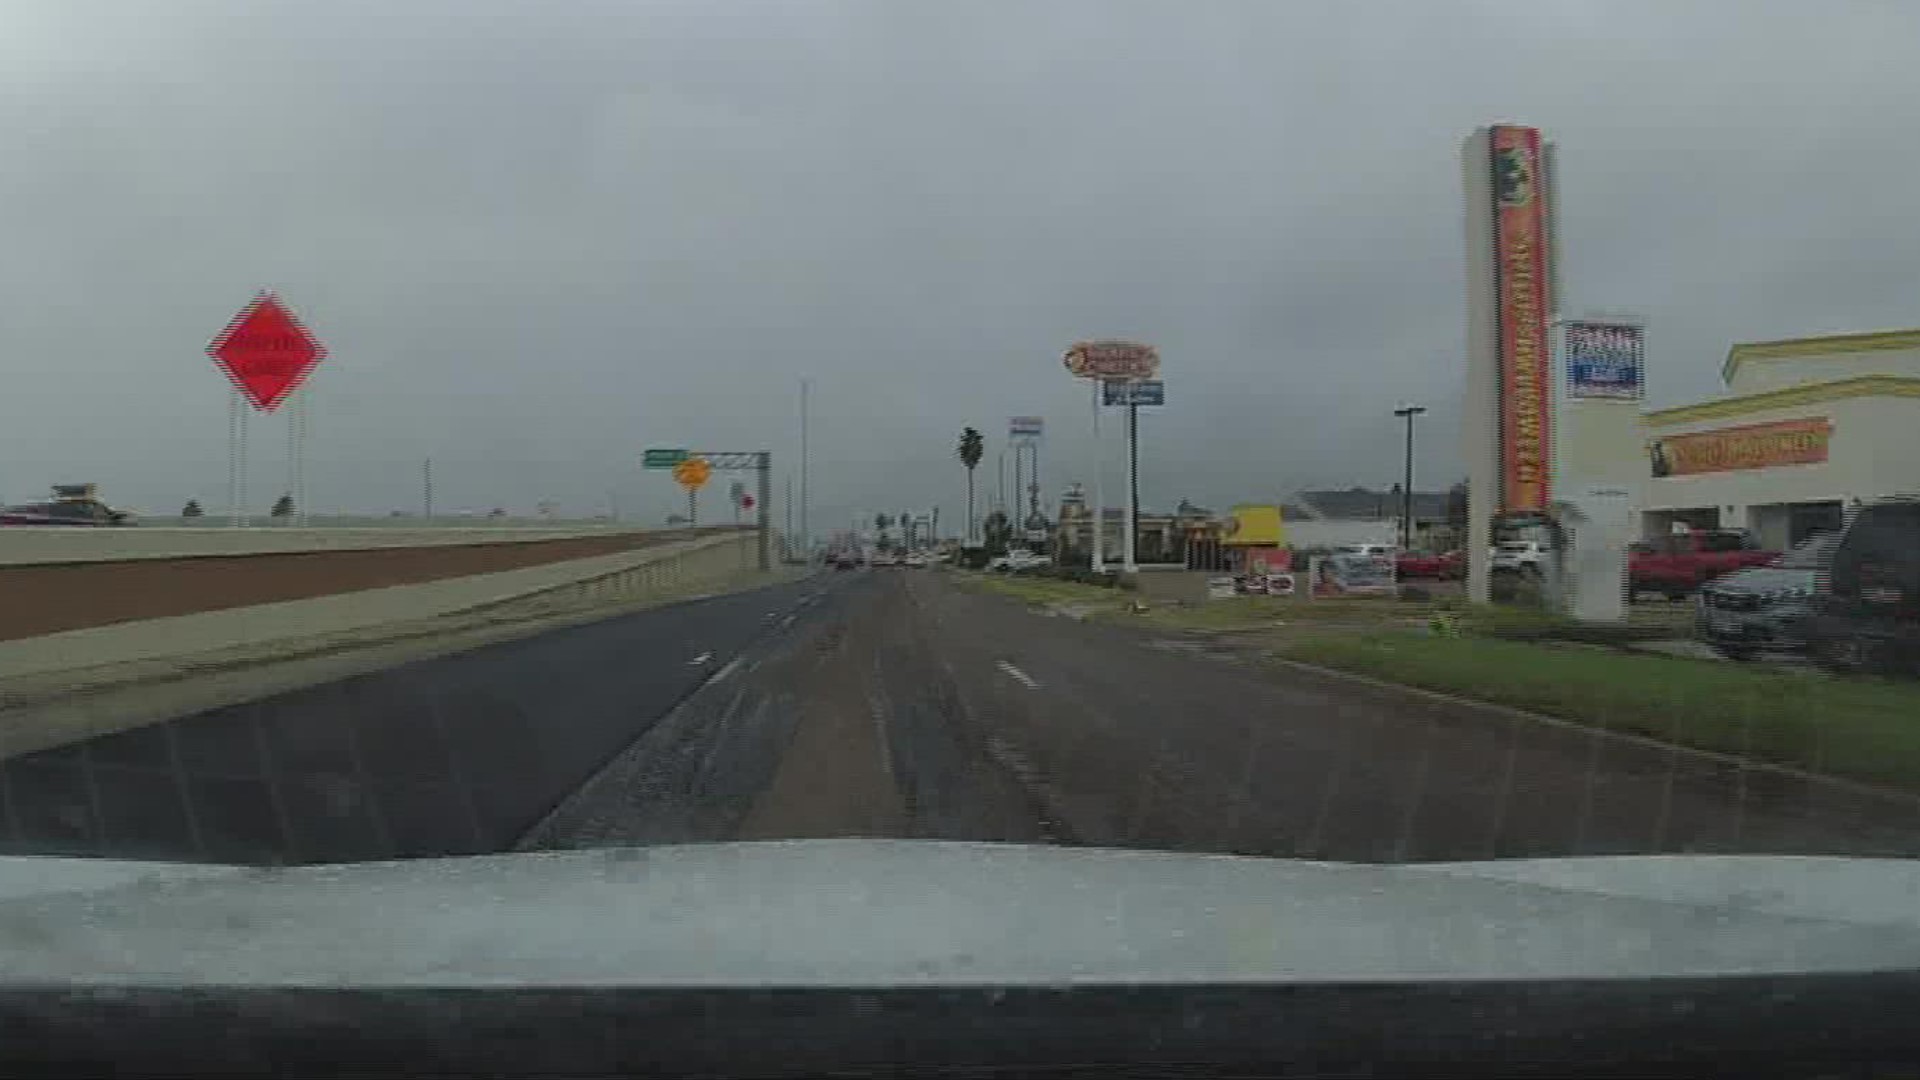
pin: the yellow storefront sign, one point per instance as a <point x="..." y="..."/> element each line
<point x="1253" y="525"/>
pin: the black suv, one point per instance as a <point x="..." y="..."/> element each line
<point x="1867" y="615"/>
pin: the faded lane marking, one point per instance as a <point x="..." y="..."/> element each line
<point x="1017" y="675"/>
<point x="701" y="659"/>
<point x="731" y="666"/>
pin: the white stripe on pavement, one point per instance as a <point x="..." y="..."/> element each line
<point x="1018" y="676"/>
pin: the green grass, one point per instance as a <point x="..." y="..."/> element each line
<point x="1863" y="729"/>
<point x="1042" y="590"/>
<point x="1260" y="612"/>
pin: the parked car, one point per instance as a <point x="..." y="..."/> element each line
<point x="1763" y="608"/>
<point x="1867" y="601"/>
<point x="915" y="561"/>
<point x="1446" y="566"/>
<point x="1020" y="559"/>
<point x="1517" y="556"/>
<point x="1682" y="562"/>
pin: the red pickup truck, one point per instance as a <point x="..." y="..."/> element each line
<point x="1446" y="566"/>
<point x="1678" y="564"/>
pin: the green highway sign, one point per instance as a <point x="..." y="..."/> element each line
<point x="663" y="459"/>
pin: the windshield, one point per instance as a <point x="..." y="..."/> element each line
<point x="520" y="427"/>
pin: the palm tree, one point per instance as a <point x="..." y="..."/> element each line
<point x="972" y="448"/>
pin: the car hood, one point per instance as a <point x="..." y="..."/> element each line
<point x="1763" y="579"/>
<point x="889" y="913"/>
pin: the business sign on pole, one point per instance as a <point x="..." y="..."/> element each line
<point x="1750" y="446"/>
<point x="1112" y="360"/>
<point x="265" y="352"/>
<point x="1121" y="392"/>
<point x="1521" y="267"/>
<point x="693" y="473"/>
<point x="661" y="458"/>
<point x="1605" y="360"/>
<point x="1025" y="427"/>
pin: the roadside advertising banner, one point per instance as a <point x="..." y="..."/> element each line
<point x="1520" y="258"/>
<point x="1605" y="360"/>
<point x="1267" y="560"/>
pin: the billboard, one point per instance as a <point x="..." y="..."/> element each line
<point x="1249" y="525"/>
<point x="1605" y="360"/>
<point x="1522" y="295"/>
<point x="1112" y="360"/>
<point x="1750" y="446"/>
<point x="1025" y="427"/>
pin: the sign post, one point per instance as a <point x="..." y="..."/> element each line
<point x="694" y="469"/>
<point x="1024" y="432"/>
<point x="266" y="354"/>
<point x="1127" y="364"/>
<point x="692" y="473"/>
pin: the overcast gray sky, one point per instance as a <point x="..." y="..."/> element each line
<point x="539" y="236"/>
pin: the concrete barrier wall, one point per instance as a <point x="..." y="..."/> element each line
<point x="667" y="572"/>
<point x="56" y="544"/>
<point x="61" y="687"/>
<point x="50" y="597"/>
<point x="637" y="574"/>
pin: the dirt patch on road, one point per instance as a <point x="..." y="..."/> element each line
<point x="47" y="598"/>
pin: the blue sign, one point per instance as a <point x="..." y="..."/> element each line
<point x="1145" y="392"/>
<point x="1605" y="360"/>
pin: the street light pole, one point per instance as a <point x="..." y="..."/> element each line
<point x="1406" y="491"/>
<point x="806" y="541"/>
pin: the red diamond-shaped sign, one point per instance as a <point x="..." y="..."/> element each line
<point x="266" y="352"/>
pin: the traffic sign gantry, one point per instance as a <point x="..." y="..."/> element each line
<point x="659" y="458"/>
<point x="266" y="352"/>
<point x="692" y="473"/>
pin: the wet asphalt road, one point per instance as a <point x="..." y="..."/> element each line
<point x="894" y="703"/>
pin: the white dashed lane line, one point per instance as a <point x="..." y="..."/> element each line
<point x="1017" y="675"/>
<point x="701" y="659"/>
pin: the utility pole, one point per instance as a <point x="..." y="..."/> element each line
<point x="426" y="484"/>
<point x="806" y="544"/>
<point x="1406" y="491"/>
<point x="786" y="502"/>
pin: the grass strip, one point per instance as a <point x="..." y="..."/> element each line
<point x="1866" y="730"/>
